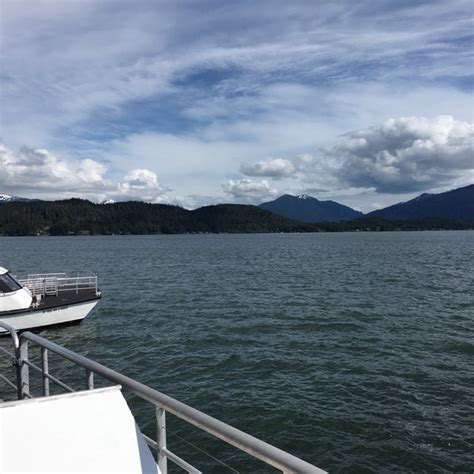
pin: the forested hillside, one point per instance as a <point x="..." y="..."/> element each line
<point x="309" y="209"/>
<point x="80" y="217"/>
<point x="455" y="204"/>
<point x="76" y="216"/>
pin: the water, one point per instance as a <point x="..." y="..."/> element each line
<point x="353" y="351"/>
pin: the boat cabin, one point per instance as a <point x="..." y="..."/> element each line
<point x="13" y="296"/>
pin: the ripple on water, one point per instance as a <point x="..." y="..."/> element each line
<point x="353" y="351"/>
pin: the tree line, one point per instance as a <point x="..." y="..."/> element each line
<point x="82" y="217"/>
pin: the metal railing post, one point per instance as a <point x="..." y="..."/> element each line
<point x="257" y="448"/>
<point x="161" y="440"/>
<point x="24" y="369"/>
<point x="18" y="373"/>
<point x="16" y="349"/>
<point x="45" y="371"/>
<point x="89" y="379"/>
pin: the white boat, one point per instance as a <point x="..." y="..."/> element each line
<point x="46" y="299"/>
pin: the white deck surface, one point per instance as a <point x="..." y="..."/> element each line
<point x="91" y="431"/>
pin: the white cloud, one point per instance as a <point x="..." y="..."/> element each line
<point x="39" y="169"/>
<point x="141" y="184"/>
<point x="248" y="190"/>
<point x="276" y="168"/>
<point x="381" y="165"/>
<point x="278" y="88"/>
<point x="41" y="174"/>
<point x="140" y="179"/>
<point x="144" y="49"/>
<point x="406" y="154"/>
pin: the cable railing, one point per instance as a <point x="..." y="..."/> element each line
<point x="256" y="448"/>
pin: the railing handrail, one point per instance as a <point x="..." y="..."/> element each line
<point x="16" y="350"/>
<point x="13" y="334"/>
<point x="37" y="276"/>
<point x="76" y="279"/>
<point x="47" y="284"/>
<point x="233" y="436"/>
<point x="58" y="279"/>
<point x="59" y="275"/>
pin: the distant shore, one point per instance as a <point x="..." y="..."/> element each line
<point x="355" y="231"/>
<point x="80" y="217"/>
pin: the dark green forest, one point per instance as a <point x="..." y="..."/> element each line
<point x="81" y="217"/>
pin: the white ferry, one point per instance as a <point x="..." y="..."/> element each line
<point x="46" y="299"/>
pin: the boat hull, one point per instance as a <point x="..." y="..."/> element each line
<point x="49" y="317"/>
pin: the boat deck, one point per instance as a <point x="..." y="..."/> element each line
<point x="101" y="435"/>
<point x="65" y="299"/>
<point x="61" y="300"/>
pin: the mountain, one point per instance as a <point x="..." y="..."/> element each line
<point x="80" y="217"/>
<point x="309" y="209"/>
<point x="9" y="198"/>
<point x="77" y="216"/>
<point x="6" y="198"/>
<point x="457" y="204"/>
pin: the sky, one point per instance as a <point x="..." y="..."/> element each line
<point x="199" y="102"/>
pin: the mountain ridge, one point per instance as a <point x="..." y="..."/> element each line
<point x="309" y="209"/>
<point x="454" y="204"/>
<point x="11" y="198"/>
<point x="81" y="217"/>
<point x="450" y="210"/>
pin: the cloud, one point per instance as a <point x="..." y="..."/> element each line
<point x="182" y="89"/>
<point x="406" y="154"/>
<point x="248" y="190"/>
<point x="140" y="179"/>
<point x="39" y="169"/>
<point x="276" y="168"/>
<point x="383" y="164"/>
<point x="159" y="50"/>
<point x="141" y="184"/>
<point x="39" y="173"/>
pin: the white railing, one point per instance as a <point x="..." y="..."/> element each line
<point x="52" y="284"/>
<point x="257" y="448"/>
<point x="41" y="276"/>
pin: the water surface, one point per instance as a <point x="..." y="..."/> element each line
<point x="354" y="351"/>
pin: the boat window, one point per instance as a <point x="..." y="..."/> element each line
<point x="8" y="284"/>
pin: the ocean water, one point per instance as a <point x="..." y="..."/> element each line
<point x="354" y="351"/>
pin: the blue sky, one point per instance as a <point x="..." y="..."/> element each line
<point x="197" y="102"/>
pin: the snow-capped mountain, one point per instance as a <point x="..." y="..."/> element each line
<point x="309" y="209"/>
<point x="11" y="198"/>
